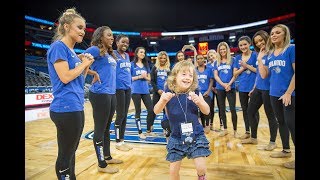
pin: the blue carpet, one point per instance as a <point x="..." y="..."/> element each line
<point x="131" y="134"/>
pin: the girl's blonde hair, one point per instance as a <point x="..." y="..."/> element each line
<point x="270" y="47"/>
<point x="229" y="60"/>
<point x="167" y="65"/>
<point x="214" y="52"/>
<point x="211" y="51"/>
<point x="66" y="18"/>
<point x="182" y="66"/>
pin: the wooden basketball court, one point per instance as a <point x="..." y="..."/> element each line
<point x="229" y="159"/>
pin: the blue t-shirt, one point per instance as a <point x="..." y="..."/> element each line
<point x="211" y="66"/>
<point x="162" y="76"/>
<point x="247" y="77"/>
<point x="280" y="68"/>
<point x="262" y="84"/>
<point x="105" y="66"/>
<point x="139" y="86"/>
<point x="123" y="77"/>
<point x="176" y="115"/>
<point x="204" y="79"/>
<point x="66" y="97"/>
<point x="225" y="72"/>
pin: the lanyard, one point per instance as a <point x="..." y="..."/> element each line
<point x="184" y="112"/>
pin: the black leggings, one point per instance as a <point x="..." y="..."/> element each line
<point x="122" y="107"/>
<point x="165" y="122"/>
<point x="231" y="96"/>
<point x="244" y="101"/>
<point x="69" y="129"/>
<point x="286" y="119"/>
<point x="205" y="119"/>
<point x="257" y="98"/>
<point x="103" y="108"/>
<point x="147" y="102"/>
<point x="212" y="109"/>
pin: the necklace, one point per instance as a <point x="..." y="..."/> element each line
<point x="184" y="112"/>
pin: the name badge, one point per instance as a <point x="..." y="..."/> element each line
<point x="186" y="128"/>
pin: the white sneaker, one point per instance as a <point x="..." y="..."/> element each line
<point x="142" y="136"/>
<point x="223" y="133"/>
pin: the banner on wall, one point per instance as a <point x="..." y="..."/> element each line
<point x="38" y="99"/>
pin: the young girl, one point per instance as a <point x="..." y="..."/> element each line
<point x="181" y="101"/>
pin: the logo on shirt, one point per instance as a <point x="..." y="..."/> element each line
<point x="277" y="69"/>
<point x="276" y="64"/>
<point x="202" y="78"/>
<point x="248" y="71"/>
<point x="112" y="62"/>
<point x="225" y="71"/>
<point x="126" y="66"/>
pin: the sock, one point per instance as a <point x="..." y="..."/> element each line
<point x="202" y="177"/>
<point x="272" y="142"/>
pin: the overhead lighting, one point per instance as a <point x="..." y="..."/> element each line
<point x="208" y="31"/>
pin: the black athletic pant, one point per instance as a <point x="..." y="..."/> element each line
<point x="257" y="98"/>
<point x="231" y="96"/>
<point x="69" y="129"/>
<point x="205" y="119"/>
<point x="165" y="122"/>
<point x="286" y="119"/>
<point x="244" y="101"/>
<point x="123" y="101"/>
<point x="148" y="104"/>
<point x="103" y="108"/>
<point x="212" y="109"/>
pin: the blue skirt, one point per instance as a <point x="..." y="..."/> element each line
<point x="177" y="150"/>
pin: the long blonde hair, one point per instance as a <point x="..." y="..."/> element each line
<point x="167" y="65"/>
<point x="182" y="66"/>
<point x="270" y="47"/>
<point x="228" y="53"/>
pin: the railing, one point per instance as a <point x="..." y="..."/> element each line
<point x="30" y="70"/>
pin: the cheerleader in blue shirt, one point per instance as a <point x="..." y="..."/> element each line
<point x="140" y="72"/>
<point x="123" y="90"/>
<point x="260" y="95"/>
<point x="102" y="95"/>
<point x="245" y="64"/>
<point x="66" y="72"/>
<point x="223" y="73"/>
<point x="281" y="66"/>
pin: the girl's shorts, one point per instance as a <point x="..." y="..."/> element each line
<point x="177" y="150"/>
